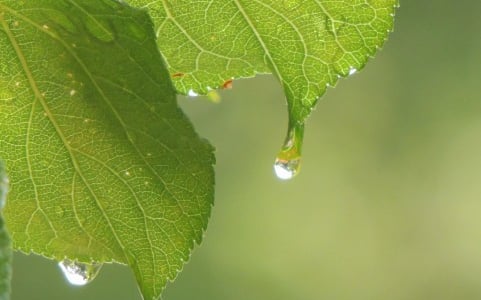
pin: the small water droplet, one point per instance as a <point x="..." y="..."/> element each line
<point x="79" y="273"/>
<point x="72" y="93"/>
<point x="191" y="93"/>
<point x="352" y="71"/>
<point x="45" y="26"/>
<point x="288" y="161"/>
<point x="127" y="174"/>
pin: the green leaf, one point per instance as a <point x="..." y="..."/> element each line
<point x="5" y="243"/>
<point x="306" y="44"/>
<point x="104" y="167"/>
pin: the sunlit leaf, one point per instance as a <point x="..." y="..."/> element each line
<point x="306" y="44"/>
<point x="104" y="167"/>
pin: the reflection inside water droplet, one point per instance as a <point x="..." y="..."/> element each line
<point x="288" y="161"/>
<point x="286" y="169"/>
<point x="79" y="273"/>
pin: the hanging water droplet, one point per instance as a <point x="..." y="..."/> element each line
<point x="352" y="71"/>
<point x="288" y="161"/>
<point x="79" y="273"/>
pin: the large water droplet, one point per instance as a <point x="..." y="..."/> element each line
<point x="79" y="273"/>
<point x="288" y="161"/>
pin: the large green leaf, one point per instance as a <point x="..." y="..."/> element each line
<point x="104" y="167"/>
<point x="307" y="44"/>
<point x="5" y="244"/>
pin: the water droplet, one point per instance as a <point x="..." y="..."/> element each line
<point x="352" y="71"/>
<point x="288" y="161"/>
<point x="127" y="174"/>
<point x="72" y="92"/>
<point x="191" y="93"/>
<point x="45" y="26"/>
<point x="79" y="273"/>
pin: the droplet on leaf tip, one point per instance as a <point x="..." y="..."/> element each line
<point x="78" y="273"/>
<point x="286" y="169"/>
<point x="288" y="161"/>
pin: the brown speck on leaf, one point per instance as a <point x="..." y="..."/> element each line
<point x="178" y="75"/>
<point x="227" y="84"/>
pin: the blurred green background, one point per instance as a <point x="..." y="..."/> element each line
<point x="388" y="203"/>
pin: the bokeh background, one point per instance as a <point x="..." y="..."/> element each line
<point x="388" y="203"/>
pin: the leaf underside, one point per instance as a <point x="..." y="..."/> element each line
<point x="306" y="44"/>
<point x="103" y="165"/>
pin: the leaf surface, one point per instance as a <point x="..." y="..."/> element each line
<point x="306" y="44"/>
<point x="104" y="167"/>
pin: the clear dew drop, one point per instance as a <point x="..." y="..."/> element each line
<point x="286" y="169"/>
<point x="79" y="273"/>
<point x="288" y="161"/>
<point x="352" y="71"/>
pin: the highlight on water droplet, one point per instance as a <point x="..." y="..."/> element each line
<point x="288" y="161"/>
<point x="79" y="273"/>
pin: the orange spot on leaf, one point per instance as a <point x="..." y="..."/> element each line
<point x="227" y="84"/>
<point x="178" y="75"/>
